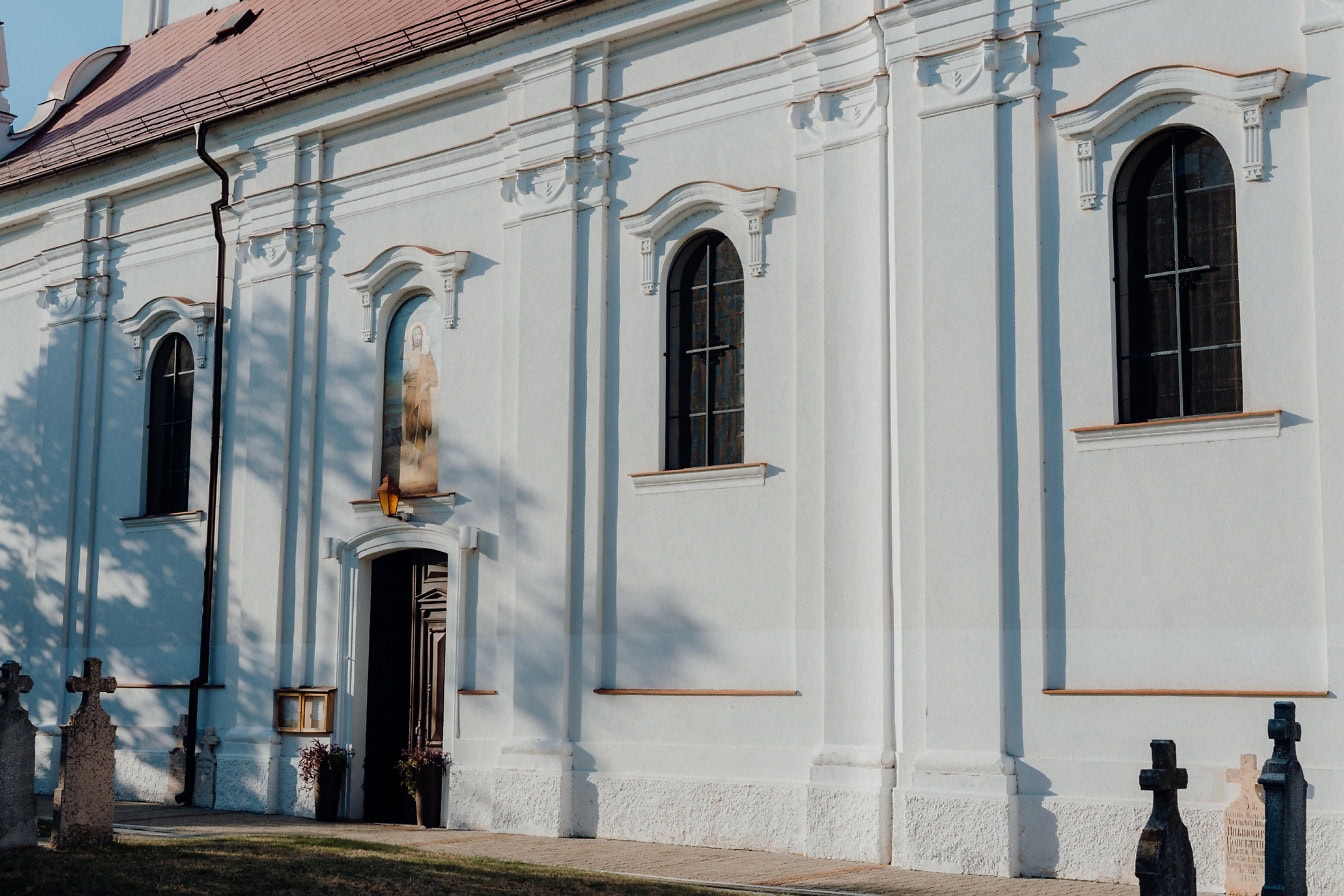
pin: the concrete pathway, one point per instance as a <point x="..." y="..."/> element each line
<point x="730" y="869"/>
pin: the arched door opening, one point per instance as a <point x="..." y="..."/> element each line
<point x="407" y="673"/>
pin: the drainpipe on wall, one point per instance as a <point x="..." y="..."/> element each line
<point x="216" y="431"/>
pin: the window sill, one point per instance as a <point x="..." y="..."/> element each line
<point x="1215" y="427"/>
<point x="415" y="504"/>
<point x="164" y="520"/>
<point x="695" y="478"/>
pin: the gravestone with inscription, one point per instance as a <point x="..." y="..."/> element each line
<point x="18" y="805"/>
<point x="1244" y="832"/>
<point x="204" y="796"/>
<point x="83" y="802"/>
<point x="1164" y="864"/>
<point x="177" y="764"/>
<point x="1285" y="807"/>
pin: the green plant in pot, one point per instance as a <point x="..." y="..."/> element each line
<point x="422" y="770"/>
<point x="322" y="770"/>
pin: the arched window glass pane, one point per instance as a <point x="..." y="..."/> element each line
<point x="410" y="397"/>
<point x="1177" y="303"/>
<point x="705" y="355"/>
<point x="171" y="383"/>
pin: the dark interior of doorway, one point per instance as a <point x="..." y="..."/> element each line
<point x="407" y="655"/>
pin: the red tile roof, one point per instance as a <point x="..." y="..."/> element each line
<point x="162" y="84"/>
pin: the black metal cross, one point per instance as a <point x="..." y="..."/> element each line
<point x="1284" y="728"/>
<point x="12" y="684"/>
<point x="92" y="684"/>
<point x="1164" y="862"/>
<point x="1164" y="776"/>
<point x="1285" y="807"/>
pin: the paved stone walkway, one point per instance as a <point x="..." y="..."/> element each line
<point x="744" y="871"/>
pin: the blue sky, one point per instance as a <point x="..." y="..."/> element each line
<point x="43" y="36"/>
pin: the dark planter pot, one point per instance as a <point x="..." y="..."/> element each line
<point x="429" y="797"/>
<point x="327" y="793"/>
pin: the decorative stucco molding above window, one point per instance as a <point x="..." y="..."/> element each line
<point x="653" y="224"/>
<point x="1245" y="95"/>
<point x="989" y="72"/>
<point x="417" y="269"/>
<point x="141" y="325"/>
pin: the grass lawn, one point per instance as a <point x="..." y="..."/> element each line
<point x="277" y="866"/>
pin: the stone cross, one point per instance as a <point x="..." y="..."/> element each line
<point x="1244" y="832"/>
<point x="1285" y="807"/>
<point x="1164" y="864"/>
<point x="83" y="802"/>
<point x="12" y="684"/>
<point x="204" y="796"/>
<point x="91" y="685"/>
<point x="177" y="763"/>
<point x="18" y="805"/>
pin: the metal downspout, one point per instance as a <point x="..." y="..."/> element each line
<point x="185" y="798"/>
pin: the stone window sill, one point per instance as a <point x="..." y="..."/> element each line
<point x="696" y="478"/>
<point x="164" y="520"/>
<point x="1215" y="427"/>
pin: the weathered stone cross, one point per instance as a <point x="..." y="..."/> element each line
<point x="92" y="685"/>
<point x="12" y="684"/>
<point x="1248" y="776"/>
<point x="179" y="731"/>
<point x="209" y="741"/>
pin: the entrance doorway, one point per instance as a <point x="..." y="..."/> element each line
<point x="408" y="662"/>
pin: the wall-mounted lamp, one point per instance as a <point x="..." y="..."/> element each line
<point x="389" y="499"/>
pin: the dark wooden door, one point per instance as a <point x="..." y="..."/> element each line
<point x="408" y="657"/>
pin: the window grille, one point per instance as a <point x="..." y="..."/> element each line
<point x="1177" y="313"/>
<point x="170" y="395"/>
<point x="705" y="355"/>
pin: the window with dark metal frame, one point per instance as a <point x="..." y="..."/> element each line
<point x="168" y="470"/>
<point x="1177" y="308"/>
<point x="705" y="342"/>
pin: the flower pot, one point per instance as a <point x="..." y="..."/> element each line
<point x="327" y="793"/>
<point x="429" y="796"/>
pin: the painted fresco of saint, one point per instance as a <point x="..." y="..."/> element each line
<point x="419" y="387"/>
<point x="410" y="398"/>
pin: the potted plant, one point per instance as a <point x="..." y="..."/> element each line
<point x="322" y="770"/>
<point x="422" y="771"/>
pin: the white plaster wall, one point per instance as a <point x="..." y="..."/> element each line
<point x="1013" y="552"/>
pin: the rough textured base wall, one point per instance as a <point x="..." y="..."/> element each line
<point x="1095" y="840"/>
<point x="726" y="814"/>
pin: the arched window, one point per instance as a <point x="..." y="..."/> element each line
<point x="1177" y="318"/>
<point x="705" y="355"/>
<point x="170" y="392"/>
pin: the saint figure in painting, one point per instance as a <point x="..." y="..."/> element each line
<point x="419" y="385"/>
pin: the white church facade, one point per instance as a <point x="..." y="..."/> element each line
<point x="828" y="426"/>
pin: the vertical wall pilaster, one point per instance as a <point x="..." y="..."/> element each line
<point x="272" y="340"/>
<point x="534" y="782"/>
<point x="957" y="760"/>
<point x="839" y="112"/>
<point x="74" y="295"/>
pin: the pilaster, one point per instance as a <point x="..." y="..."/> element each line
<point x="73" y="291"/>
<point x="272" y="347"/>
<point x="970" y="76"/>
<point x="839" y="114"/>
<point x="547" y="175"/>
